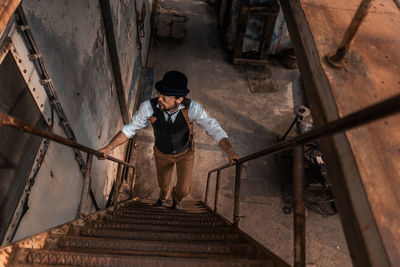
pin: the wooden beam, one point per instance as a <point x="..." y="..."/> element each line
<point x="115" y="63"/>
<point x="7" y="9"/>
<point x="259" y="10"/>
<point x="359" y="225"/>
<point x="253" y="62"/>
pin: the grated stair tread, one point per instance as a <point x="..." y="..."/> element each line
<point x="160" y="227"/>
<point x="166" y="247"/>
<point x="158" y="235"/>
<point x="161" y="216"/>
<point x="36" y="257"/>
<point x="171" y="221"/>
<point x="167" y="212"/>
<point x="142" y="234"/>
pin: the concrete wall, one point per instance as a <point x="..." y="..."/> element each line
<point x="71" y="38"/>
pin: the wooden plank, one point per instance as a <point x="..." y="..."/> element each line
<point x="359" y="222"/>
<point x="253" y="62"/>
<point x="259" y="10"/>
<point x="7" y="9"/>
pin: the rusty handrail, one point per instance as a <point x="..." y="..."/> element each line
<point x="366" y="115"/>
<point x="10" y="121"/>
<point x="382" y="109"/>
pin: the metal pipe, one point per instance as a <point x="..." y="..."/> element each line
<point x="207" y="188"/>
<point x="20" y="125"/>
<point x="86" y="187"/>
<point x="288" y="130"/>
<point x="218" y="182"/>
<point x="236" y="205"/>
<point x="382" y="109"/>
<point x="350" y="33"/>
<point x="299" y="207"/>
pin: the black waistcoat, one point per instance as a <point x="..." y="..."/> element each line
<point x="169" y="139"/>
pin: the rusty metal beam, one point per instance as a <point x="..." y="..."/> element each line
<point x="363" y="239"/>
<point x="115" y="62"/>
<point x="20" y="125"/>
<point x="7" y="9"/>
<point x="397" y="2"/>
<point x="336" y="59"/>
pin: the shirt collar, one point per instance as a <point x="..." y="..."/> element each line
<point x="181" y="106"/>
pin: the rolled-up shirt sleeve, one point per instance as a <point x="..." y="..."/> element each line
<point x="207" y="123"/>
<point x="139" y="120"/>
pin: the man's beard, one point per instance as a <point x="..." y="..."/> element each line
<point x="163" y="108"/>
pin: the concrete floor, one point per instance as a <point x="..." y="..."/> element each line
<point x="253" y="118"/>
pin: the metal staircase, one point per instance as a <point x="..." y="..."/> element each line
<point x="137" y="233"/>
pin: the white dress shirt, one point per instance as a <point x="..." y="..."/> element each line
<point x="196" y="113"/>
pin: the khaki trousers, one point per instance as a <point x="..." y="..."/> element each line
<point x="184" y="167"/>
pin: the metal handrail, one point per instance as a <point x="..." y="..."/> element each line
<point x="10" y="121"/>
<point x="366" y="115"/>
<point x="382" y="109"/>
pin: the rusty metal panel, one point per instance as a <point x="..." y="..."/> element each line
<point x="371" y="74"/>
<point x="7" y="9"/>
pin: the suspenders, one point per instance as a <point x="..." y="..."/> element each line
<point x="185" y="112"/>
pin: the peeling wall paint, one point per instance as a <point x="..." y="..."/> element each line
<point x="71" y="38"/>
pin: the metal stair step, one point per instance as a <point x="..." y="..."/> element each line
<point x="187" y="203"/>
<point x="157" y="208"/>
<point x="187" y="206"/>
<point x="161" y="216"/>
<point x="156" y="235"/>
<point x="171" y="221"/>
<point x="167" y="211"/>
<point x="159" y="227"/>
<point x="40" y="256"/>
<point x="126" y="246"/>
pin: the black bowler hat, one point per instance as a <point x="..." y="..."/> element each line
<point x="174" y="83"/>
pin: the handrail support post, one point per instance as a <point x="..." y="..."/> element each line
<point x="86" y="187"/>
<point x="207" y="188"/>
<point x="218" y="183"/>
<point x="299" y="206"/>
<point x="236" y="205"/>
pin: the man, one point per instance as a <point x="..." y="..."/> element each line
<point x="171" y="115"/>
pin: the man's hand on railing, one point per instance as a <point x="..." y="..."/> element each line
<point x="105" y="151"/>
<point x="227" y="147"/>
<point x="232" y="156"/>
<point x="118" y="140"/>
